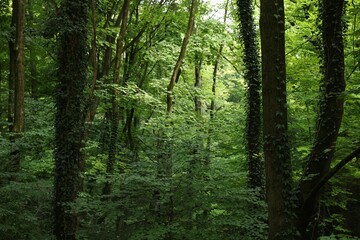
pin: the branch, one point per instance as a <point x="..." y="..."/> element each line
<point x="331" y="173"/>
<point x="232" y="64"/>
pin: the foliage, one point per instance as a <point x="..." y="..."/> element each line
<point x="203" y="192"/>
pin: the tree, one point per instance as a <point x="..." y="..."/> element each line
<point x="252" y="77"/>
<point x="70" y="114"/>
<point x="197" y="84"/>
<point x="184" y="174"/>
<point x="16" y="116"/>
<point x="276" y="147"/>
<point x="176" y="71"/>
<point x="33" y="67"/>
<point x="114" y="106"/>
<point x="331" y="108"/>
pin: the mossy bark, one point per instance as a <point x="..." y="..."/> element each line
<point x="252" y="77"/>
<point x="331" y="110"/>
<point x="70" y="114"/>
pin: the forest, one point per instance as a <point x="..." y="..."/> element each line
<point x="179" y="119"/>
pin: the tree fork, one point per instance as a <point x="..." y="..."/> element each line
<point x="331" y="110"/>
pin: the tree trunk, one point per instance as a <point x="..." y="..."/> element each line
<point x="213" y="90"/>
<point x="175" y="74"/>
<point x="93" y="100"/>
<point x="276" y="148"/>
<point x="330" y="114"/>
<point x="70" y="114"/>
<point x="16" y="116"/>
<point x="1" y="106"/>
<point x="197" y="84"/>
<point x="114" y="130"/>
<point x="252" y="76"/>
<point x="33" y="67"/>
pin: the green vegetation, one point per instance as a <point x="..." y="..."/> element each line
<point x="173" y="119"/>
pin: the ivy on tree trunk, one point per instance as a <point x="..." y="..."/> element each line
<point x="275" y="127"/>
<point x="252" y="77"/>
<point x="70" y="114"/>
<point x="330" y="114"/>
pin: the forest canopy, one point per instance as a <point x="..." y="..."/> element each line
<point x="179" y="119"/>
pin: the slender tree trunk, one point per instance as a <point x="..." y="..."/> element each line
<point x="276" y="149"/>
<point x="213" y="89"/>
<point x="252" y="76"/>
<point x="115" y="108"/>
<point x="33" y="67"/>
<point x="33" y="74"/>
<point x="330" y="115"/>
<point x="1" y="83"/>
<point x="165" y="210"/>
<point x="175" y="74"/>
<point x="11" y="86"/>
<point x="16" y="116"/>
<point x="93" y="100"/>
<point x="70" y="115"/>
<point x="198" y="84"/>
<point x="104" y="71"/>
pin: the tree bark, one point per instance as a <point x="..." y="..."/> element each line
<point x="276" y="149"/>
<point x="115" y="108"/>
<point x="175" y="74"/>
<point x="16" y="116"/>
<point x="252" y="76"/>
<point x="33" y="67"/>
<point x="70" y="115"/>
<point x="198" y="84"/>
<point x="330" y="114"/>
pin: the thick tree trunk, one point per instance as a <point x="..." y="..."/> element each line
<point x="16" y="116"/>
<point x="252" y="76"/>
<point x="276" y="148"/>
<point x="70" y="115"/>
<point x="330" y="114"/>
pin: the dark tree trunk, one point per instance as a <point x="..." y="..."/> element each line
<point x="276" y="148"/>
<point x="16" y="116"/>
<point x="330" y="114"/>
<point x="93" y="100"/>
<point x="33" y="67"/>
<point x="197" y="84"/>
<point x="70" y="114"/>
<point x="252" y="76"/>
<point x="33" y="75"/>
<point x="114" y="130"/>
<point x="1" y="105"/>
